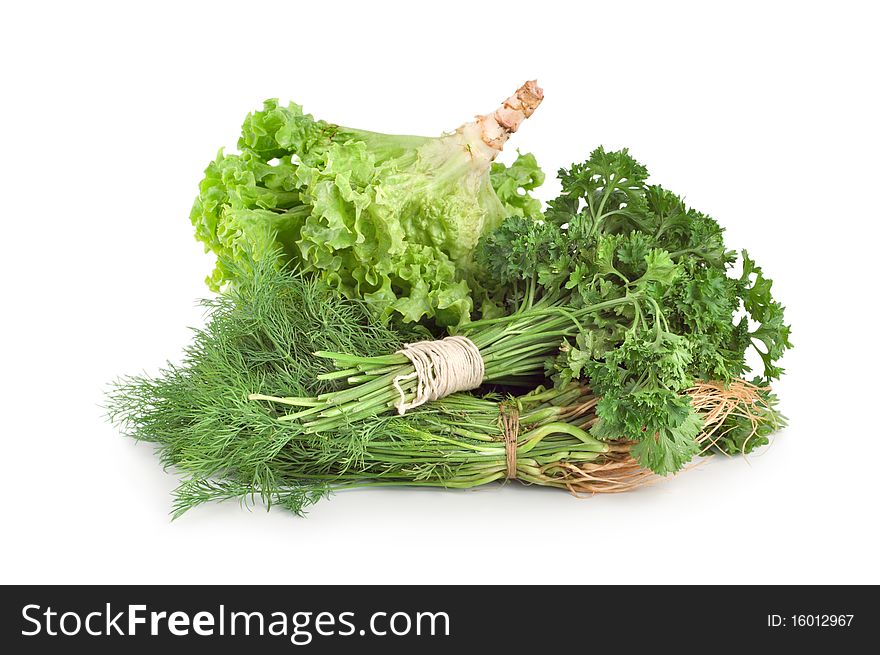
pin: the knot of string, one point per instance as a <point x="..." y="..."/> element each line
<point x="440" y="368"/>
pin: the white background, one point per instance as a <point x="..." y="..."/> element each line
<point x="764" y="114"/>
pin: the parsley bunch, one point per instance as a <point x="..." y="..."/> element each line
<point x="674" y="311"/>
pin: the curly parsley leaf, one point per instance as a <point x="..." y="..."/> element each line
<point x="771" y="331"/>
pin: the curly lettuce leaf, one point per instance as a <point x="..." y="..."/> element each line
<point x="390" y="219"/>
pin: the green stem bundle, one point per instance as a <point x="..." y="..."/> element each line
<point x="458" y="442"/>
<point x="515" y="350"/>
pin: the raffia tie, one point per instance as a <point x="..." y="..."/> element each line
<point x="509" y="419"/>
<point x="441" y="367"/>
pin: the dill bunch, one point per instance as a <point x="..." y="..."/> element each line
<point x="259" y="333"/>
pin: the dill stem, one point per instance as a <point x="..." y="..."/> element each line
<point x="286" y="400"/>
